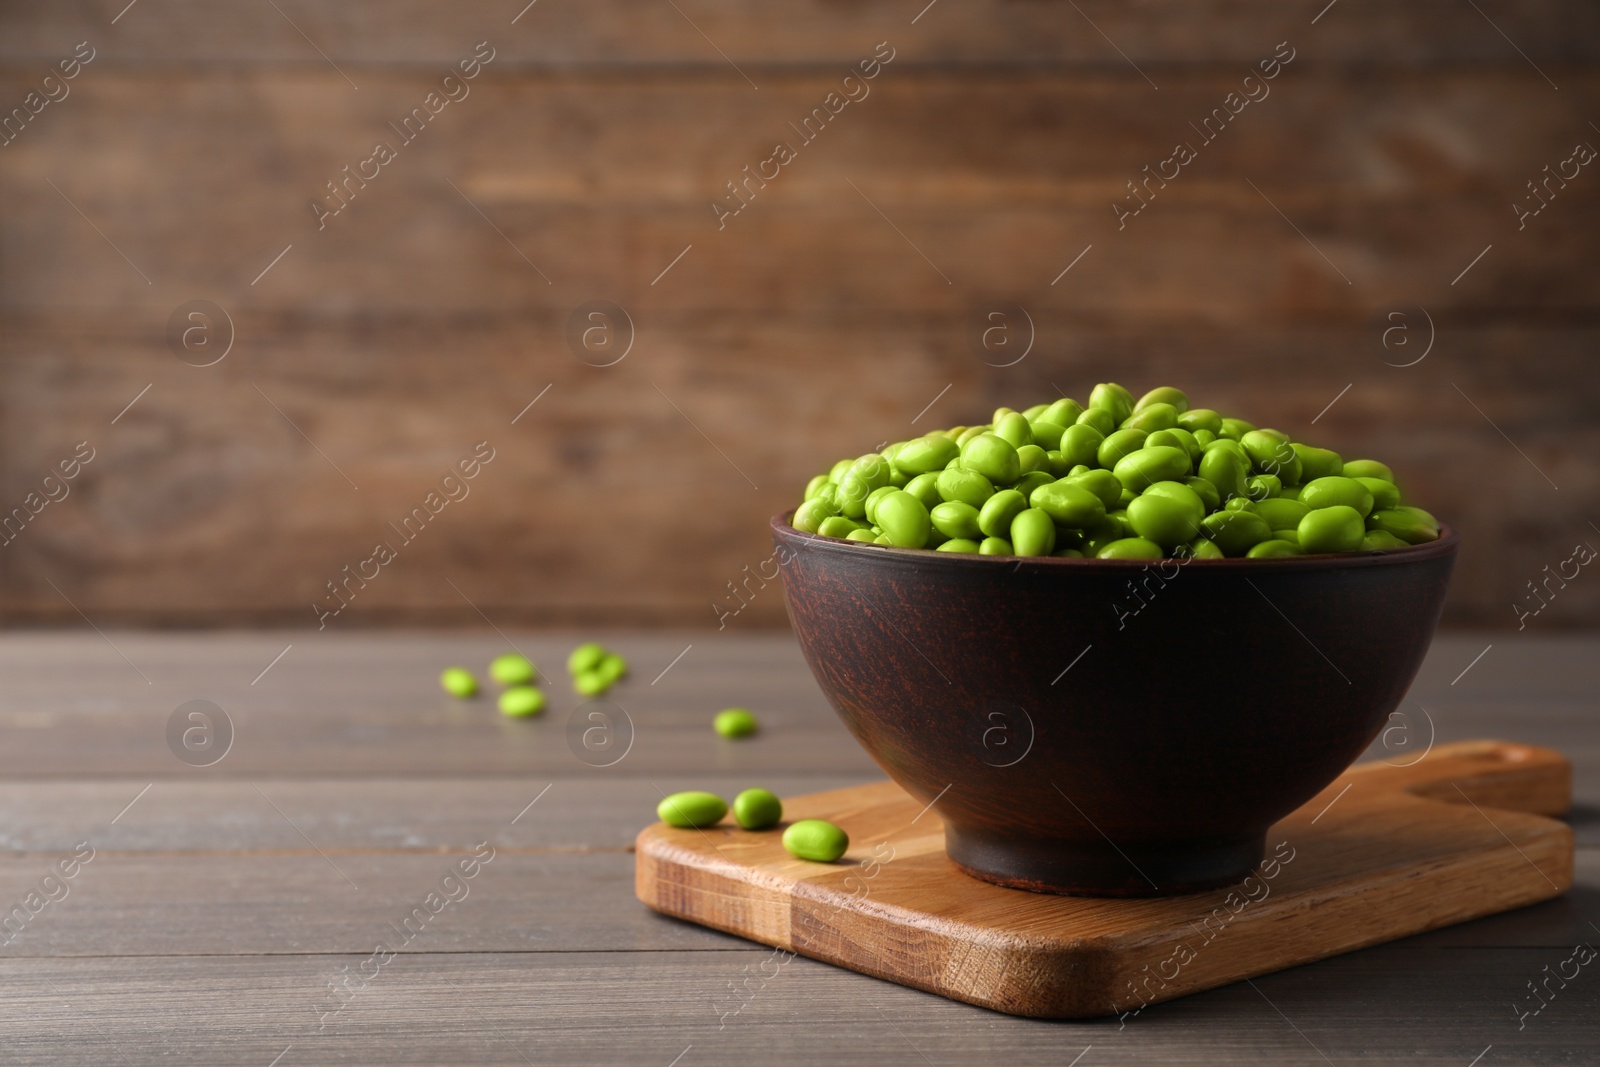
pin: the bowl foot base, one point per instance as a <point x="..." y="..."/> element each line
<point x="1100" y="869"/>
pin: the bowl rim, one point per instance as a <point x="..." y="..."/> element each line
<point x="1444" y="545"/>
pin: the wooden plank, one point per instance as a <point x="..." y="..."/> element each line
<point x="628" y="32"/>
<point x="367" y="706"/>
<point x="181" y="513"/>
<point x="1394" y="859"/>
<point x="1001" y="178"/>
<point x="1428" y="1007"/>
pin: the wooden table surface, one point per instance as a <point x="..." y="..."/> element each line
<point x="229" y="913"/>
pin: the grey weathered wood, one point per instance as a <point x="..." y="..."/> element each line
<point x="207" y="926"/>
<point x="1435" y="1006"/>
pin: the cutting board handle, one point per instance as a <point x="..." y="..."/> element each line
<point x="1491" y="774"/>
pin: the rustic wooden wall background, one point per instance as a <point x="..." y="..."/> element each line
<point x="184" y="157"/>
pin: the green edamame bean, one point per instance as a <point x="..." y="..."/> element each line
<point x="1317" y="462"/>
<point x="1411" y="525"/>
<point x="1033" y="480"/>
<point x="994" y="518"/>
<point x="1367" y="468"/>
<point x="1047" y="435"/>
<point x="586" y="657"/>
<point x="1385" y="494"/>
<point x="1033" y="533"/>
<point x="969" y="433"/>
<point x="969" y="487"/>
<point x="816" y="839"/>
<point x="993" y="457"/>
<point x="612" y="667"/>
<point x="838" y="526"/>
<point x="521" y="702"/>
<point x="1080" y="444"/>
<point x="1130" y="548"/>
<point x="1067" y="553"/>
<point x="1265" y="446"/>
<point x="1196" y="419"/>
<point x="1235" y="532"/>
<point x="511" y="668"/>
<point x="1152" y="418"/>
<point x="1152" y="471"/>
<point x="757" y="809"/>
<point x="1063" y="412"/>
<point x="1262" y="486"/>
<point x="867" y="473"/>
<point x="1167" y="518"/>
<point x="734" y="723"/>
<point x="926" y="455"/>
<point x="1338" y="528"/>
<point x="1068" y="504"/>
<point x="1014" y="430"/>
<point x="959" y="544"/>
<point x="1119" y="444"/>
<point x="870" y="509"/>
<point x="1139" y="470"/>
<point x="1207" y="492"/>
<point x="1327" y="491"/>
<point x="904" y="519"/>
<point x="1381" y="541"/>
<point x="1181" y="492"/>
<point x="1227" y="469"/>
<point x="590" y="683"/>
<point x="692" y="809"/>
<point x="1234" y="429"/>
<point x="810" y="515"/>
<point x="1102" y="534"/>
<point x="458" y="682"/>
<point x="1098" y="419"/>
<point x="1273" y="549"/>
<point x="1271" y="453"/>
<point x="925" y="487"/>
<point x="957" y="519"/>
<point x="1280" y="512"/>
<point x="1177" y="439"/>
<point x="1164" y="394"/>
<point x="1111" y="397"/>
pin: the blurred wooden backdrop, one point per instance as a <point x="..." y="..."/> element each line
<point x="377" y="351"/>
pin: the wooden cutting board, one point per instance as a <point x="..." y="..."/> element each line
<point x="1384" y="852"/>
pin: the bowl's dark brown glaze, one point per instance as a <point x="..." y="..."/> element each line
<point x="1111" y="727"/>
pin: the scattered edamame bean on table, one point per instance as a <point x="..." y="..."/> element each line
<point x="458" y="682"/>
<point x="734" y="723"/>
<point x="1116" y="478"/>
<point x="512" y="669"/>
<point x="595" y="669"/>
<point x="755" y="809"/>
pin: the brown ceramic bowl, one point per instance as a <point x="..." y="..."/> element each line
<point x="1111" y="727"/>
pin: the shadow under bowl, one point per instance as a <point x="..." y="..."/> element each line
<point x="1111" y="727"/>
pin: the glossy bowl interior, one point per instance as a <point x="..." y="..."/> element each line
<point x="1111" y="727"/>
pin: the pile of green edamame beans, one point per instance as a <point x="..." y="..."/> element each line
<point x="1117" y="478"/>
